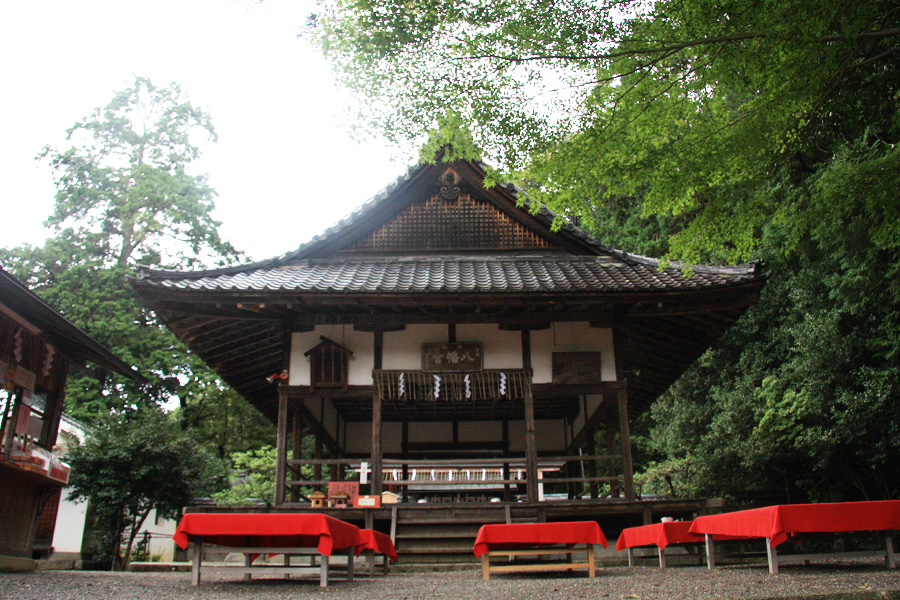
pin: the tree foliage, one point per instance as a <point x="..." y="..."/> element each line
<point x="136" y="461"/>
<point x="694" y="104"/>
<point x="125" y="196"/>
<point x="703" y="132"/>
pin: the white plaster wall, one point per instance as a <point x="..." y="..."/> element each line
<point x="361" y="343"/>
<point x="161" y="530"/>
<point x="550" y="435"/>
<point x="571" y="337"/>
<point x="502" y="349"/>
<point x="430" y="432"/>
<point x="478" y="431"/>
<point x="327" y="418"/>
<point x="517" y="436"/>
<point x="359" y="438"/>
<point x="403" y="349"/>
<point x="69" y="530"/>
<point x="391" y="437"/>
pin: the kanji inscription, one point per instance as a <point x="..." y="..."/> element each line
<point x="452" y="358"/>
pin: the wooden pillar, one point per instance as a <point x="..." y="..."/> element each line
<point x="281" y="447"/>
<point x="296" y="451"/>
<point x="615" y="489"/>
<point x="624" y="431"/>
<point x="531" y="466"/>
<point x="375" y="487"/>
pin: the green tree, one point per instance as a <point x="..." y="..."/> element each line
<point x="124" y="188"/>
<point x="221" y="419"/>
<point x="125" y="196"/>
<point x="133" y="462"/>
<point x="714" y="110"/>
<point x="731" y="131"/>
<point x="253" y="475"/>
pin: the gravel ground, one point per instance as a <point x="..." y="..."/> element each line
<point x="859" y="580"/>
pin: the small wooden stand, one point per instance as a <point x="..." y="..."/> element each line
<point x="487" y="568"/>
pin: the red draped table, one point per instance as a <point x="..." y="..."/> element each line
<point x="777" y="523"/>
<point x="534" y="539"/>
<point x="267" y="533"/>
<point x="374" y="543"/>
<point x="659" y="535"/>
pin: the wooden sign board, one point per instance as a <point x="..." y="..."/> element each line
<point x="458" y="357"/>
<point x="348" y="488"/>
<point x="576" y="368"/>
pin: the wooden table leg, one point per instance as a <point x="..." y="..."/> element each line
<point x="592" y="567"/>
<point x="631" y="557"/>
<point x="197" y="559"/>
<point x="889" y="550"/>
<point x="772" y="556"/>
<point x="486" y="566"/>
<point x="351" y="559"/>
<point x="662" y="557"/>
<point x="323" y="571"/>
<point x="710" y="552"/>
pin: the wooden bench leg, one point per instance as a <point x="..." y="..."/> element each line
<point x="710" y="552"/>
<point x="248" y="560"/>
<point x="772" y="556"/>
<point x="662" y="557"/>
<point x="323" y="571"/>
<point x="889" y="550"/>
<point x="631" y="557"/>
<point x="351" y="559"/>
<point x="197" y="560"/>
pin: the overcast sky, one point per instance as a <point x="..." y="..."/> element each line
<point x="284" y="167"/>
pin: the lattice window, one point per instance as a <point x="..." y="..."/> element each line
<point x="466" y="223"/>
<point x="328" y="365"/>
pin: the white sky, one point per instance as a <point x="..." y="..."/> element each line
<point x="284" y="167"/>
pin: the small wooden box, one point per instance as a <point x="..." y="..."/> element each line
<point x="367" y="502"/>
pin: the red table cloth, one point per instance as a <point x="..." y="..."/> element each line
<point x="268" y="530"/>
<point x="778" y="522"/>
<point x="377" y="542"/>
<point x="657" y="534"/>
<point x="537" y="534"/>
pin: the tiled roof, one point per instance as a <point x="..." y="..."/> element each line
<point x="459" y="274"/>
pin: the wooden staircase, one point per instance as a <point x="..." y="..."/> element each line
<point x="441" y="537"/>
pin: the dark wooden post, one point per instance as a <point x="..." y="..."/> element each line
<point x="624" y="431"/>
<point x="531" y="466"/>
<point x="296" y="451"/>
<point x="281" y="447"/>
<point x="615" y="488"/>
<point x="375" y="486"/>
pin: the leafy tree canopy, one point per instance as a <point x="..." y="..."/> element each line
<point x="708" y="110"/>
<point x="124" y="189"/>
<point x="136" y="461"/>
<point x="126" y="196"/>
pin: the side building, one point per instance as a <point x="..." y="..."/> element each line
<point x="37" y="346"/>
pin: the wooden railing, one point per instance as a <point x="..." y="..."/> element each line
<point x="575" y="476"/>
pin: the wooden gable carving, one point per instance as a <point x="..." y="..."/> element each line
<point x="328" y="363"/>
<point x="452" y="217"/>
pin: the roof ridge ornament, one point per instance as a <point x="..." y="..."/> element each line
<point x="449" y="184"/>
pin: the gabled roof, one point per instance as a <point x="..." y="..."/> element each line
<point x="436" y="246"/>
<point x="74" y="343"/>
